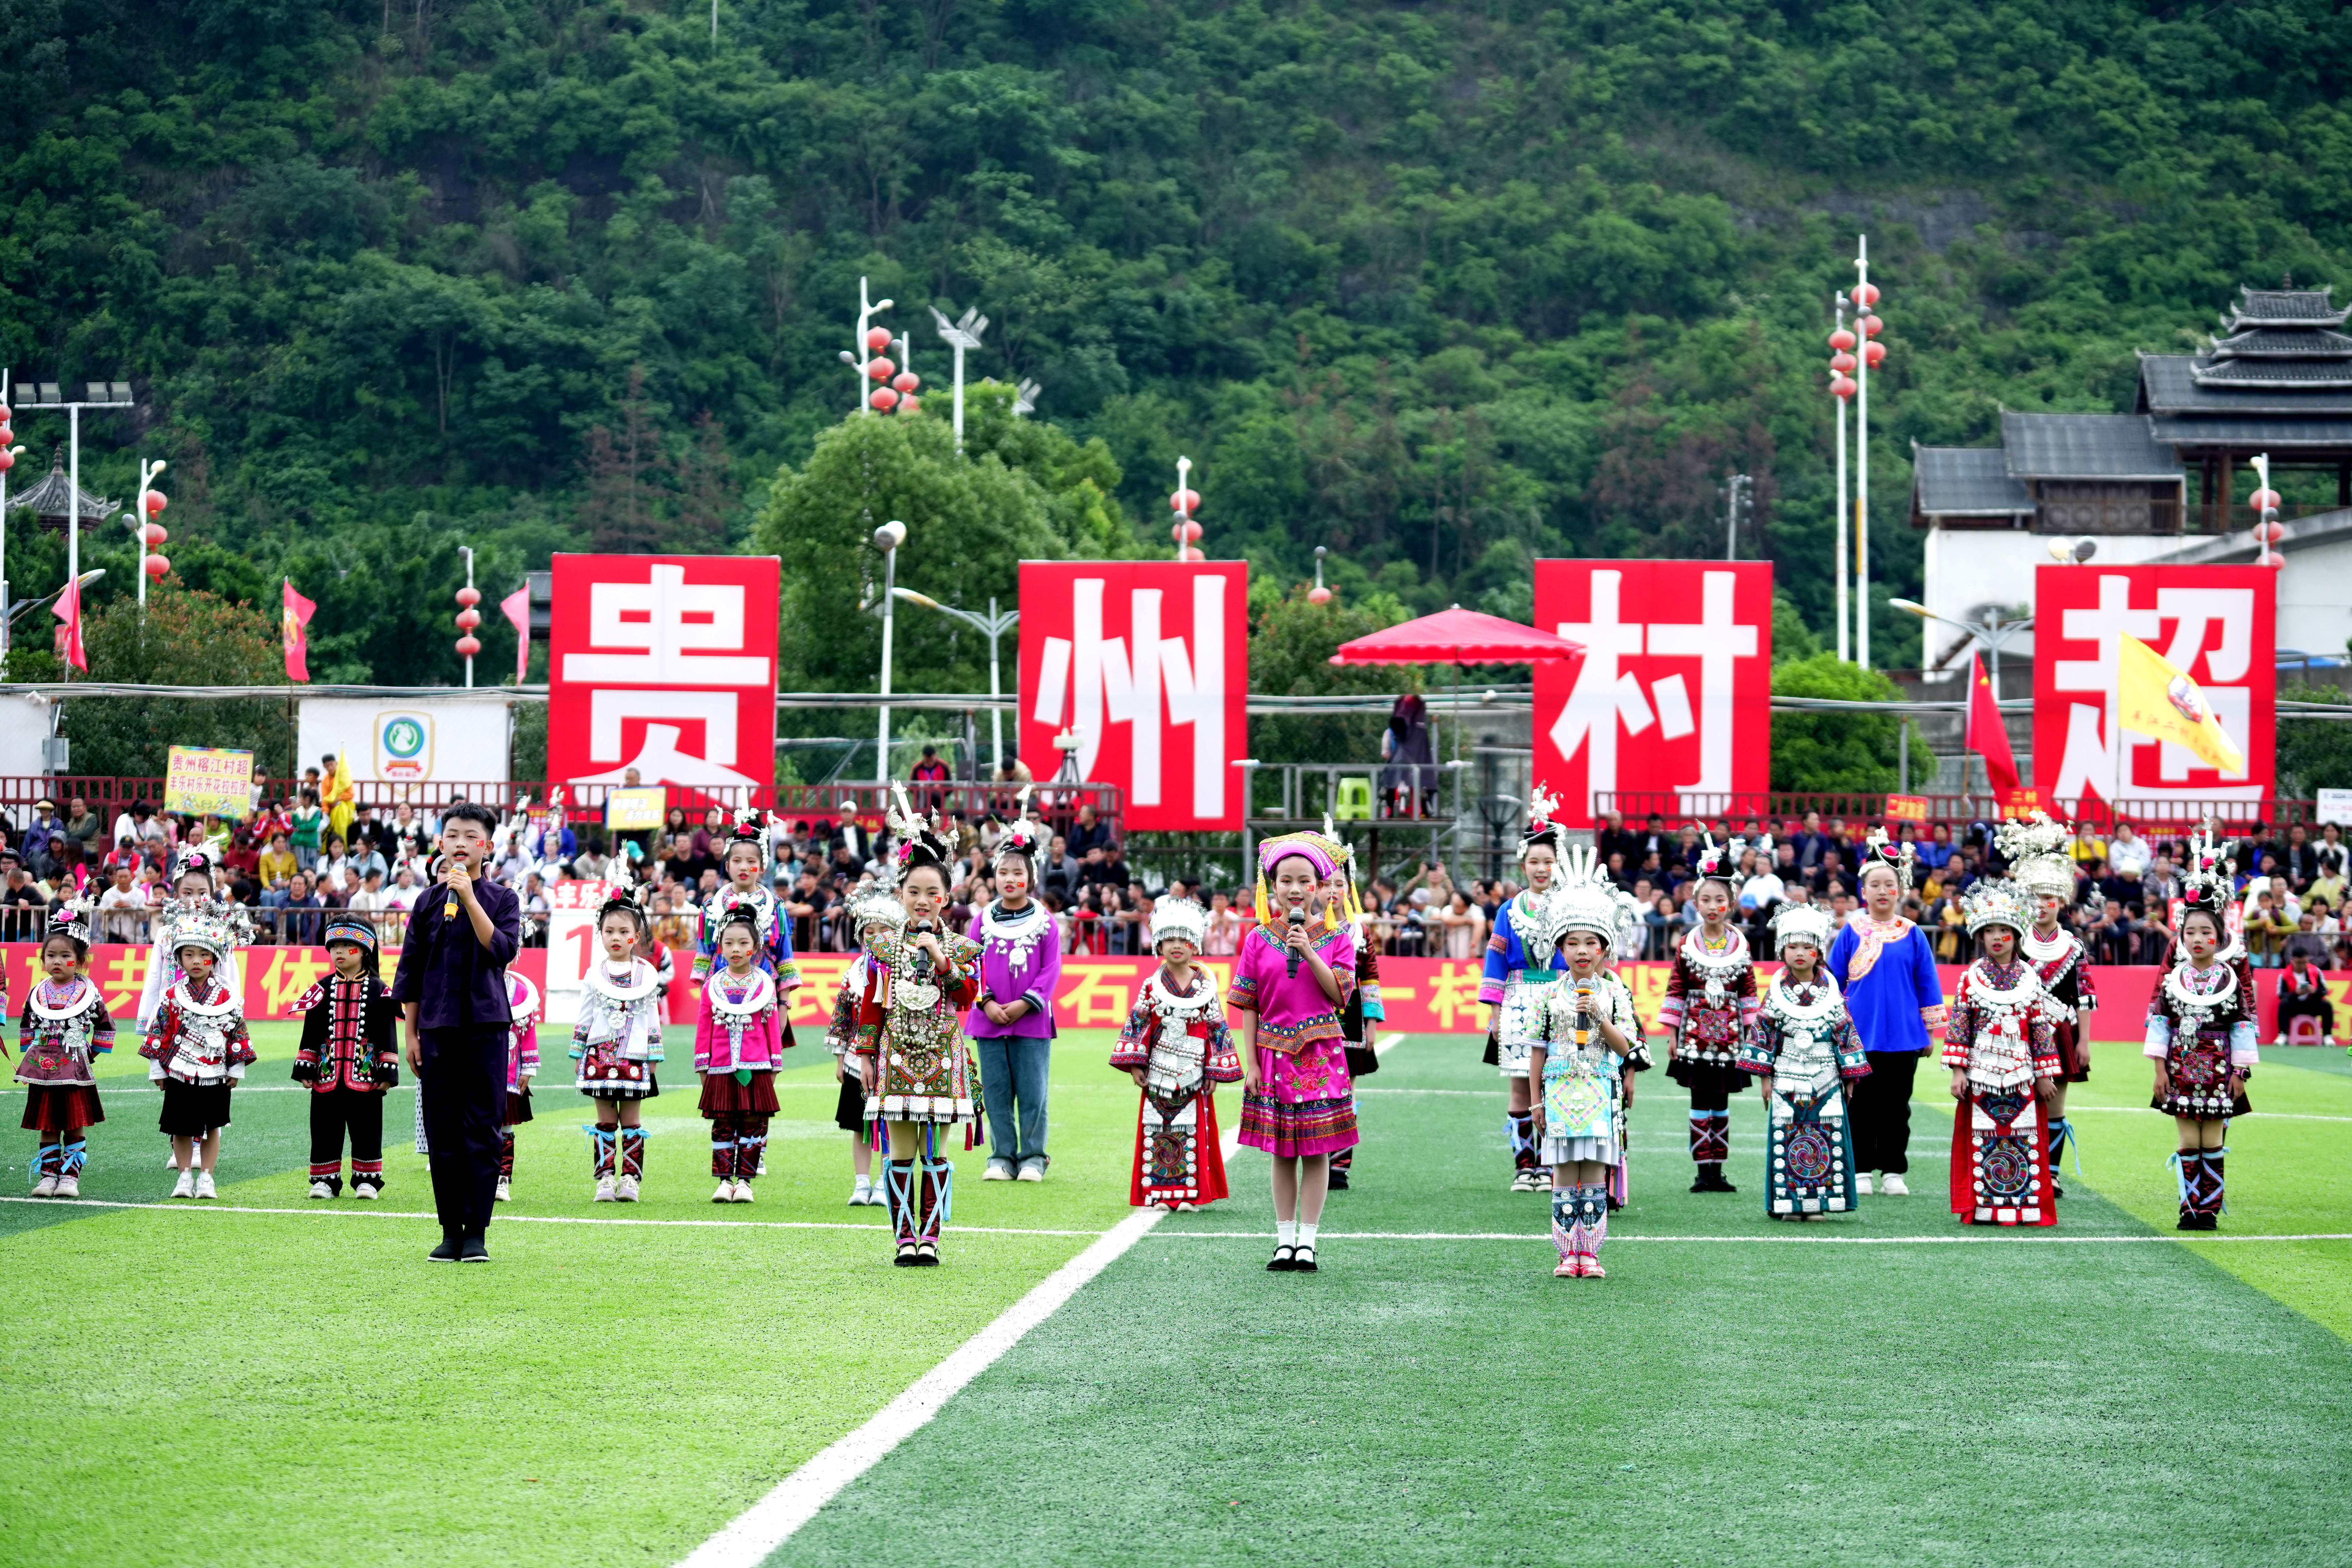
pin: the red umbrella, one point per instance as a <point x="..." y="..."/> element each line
<point x="1457" y="635"/>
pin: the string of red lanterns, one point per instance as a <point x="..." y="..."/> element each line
<point x="1184" y="502"/>
<point x="894" y="390"/>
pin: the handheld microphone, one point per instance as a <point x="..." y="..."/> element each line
<point x="1297" y="922"/>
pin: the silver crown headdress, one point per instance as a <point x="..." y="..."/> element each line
<point x="1807" y="923"/>
<point x="1997" y="901"/>
<point x="2035" y="849"/>
<point x="1179" y="919"/>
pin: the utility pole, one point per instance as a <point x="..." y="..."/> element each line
<point x="961" y="334"/>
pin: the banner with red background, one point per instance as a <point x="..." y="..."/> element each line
<point x="1674" y="699"/>
<point x="2218" y="624"/>
<point x="1422" y="996"/>
<point x="1146" y="663"/>
<point x="665" y="664"/>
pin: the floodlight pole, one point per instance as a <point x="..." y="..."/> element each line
<point x="961" y="334"/>
<point x="1862" y="468"/>
<point x="1845" y="517"/>
<point x="887" y="539"/>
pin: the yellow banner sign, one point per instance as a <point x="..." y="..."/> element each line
<point x="207" y="781"/>
<point x="633" y="810"/>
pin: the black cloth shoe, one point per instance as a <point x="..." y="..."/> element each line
<point x="2187" y="1219"/>
<point x="1339" y="1180"/>
<point x="1302" y="1261"/>
<point x="473" y="1249"/>
<point x="1283" y="1260"/>
<point x="906" y="1258"/>
<point x="445" y="1253"/>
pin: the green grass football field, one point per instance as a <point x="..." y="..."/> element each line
<point x="266" y="1380"/>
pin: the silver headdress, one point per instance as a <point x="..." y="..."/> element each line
<point x="1719" y="862"/>
<point x="1997" y="901"/>
<point x="875" y="905"/>
<point x="1587" y="900"/>
<point x="2035" y="849"/>
<point x="71" y="918"/>
<point x="920" y="841"/>
<point x="1022" y="837"/>
<point x="1541" y="830"/>
<point x="1179" y="919"/>
<point x="1807" y="923"/>
<point x="1878" y="849"/>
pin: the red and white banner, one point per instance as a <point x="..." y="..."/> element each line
<point x="665" y="665"/>
<point x="1145" y="663"/>
<point x="1674" y="699"/>
<point x="2218" y="623"/>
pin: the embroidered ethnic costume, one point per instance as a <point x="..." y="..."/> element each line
<point x="1999" y="1037"/>
<point x="1522" y="958"/>
<point x="524" y="1008"/>
<point x="618" y="1041"/>
<point x="2202" y="1026"/>
<point x="198" y="1050"/>
<point x="2039" y="863"/>
<point x="773" y="924"/>
<point x="1710" y="1004"/>
<point x="66" y="1028"/>
<point x="1180" y="1040"/>
<point x="350" y="1057"/>
<point x="1583" y="1086"/>
<point x="739" y="1041"/>
<point x="1804" y="1042"/>
<point x="1304" y="1102"/>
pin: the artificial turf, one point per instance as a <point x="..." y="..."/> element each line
<point x="298" y="1388"/>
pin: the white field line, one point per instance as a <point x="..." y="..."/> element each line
<point x="368" y="1211"/>
<point x="767" y="1524"/>
<point x="1385" y="1044"/>
<point x="1616" y="1236"/>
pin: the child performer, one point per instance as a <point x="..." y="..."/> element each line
<point x="1360" y="1021"/>
<point x="192" y="890"/>
<point x="1177" y="1048"/>
<point x="2202" y="1035"/>
<point x="1523" y="957"/>
<point x="1804" y="1053"/>
<point x="911" y="1055"/>
<point x="2002" y="1058"/>
<point x="618" y="1041"/>
<point x="1011" y="1025"/>
<point x="1579" y="1059"/>
<point x="1885" y="969"/>
<point x="2039" y="864"/>
<point x="522" y="1065"/>
<point x="198" y="1050"/>
<point x="876" y="917"/>
<point x="350" y="1057"/>
<point x="1709" y="1007"/>
<point x="65" y="1026"/>
<point x="745" y="858"/>
<point x="1291" y="979"/>
<point x="738" y="1043"/>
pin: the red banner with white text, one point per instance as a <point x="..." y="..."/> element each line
<point x="2218" y="624"/>
<point x="1146" y="665"/>
<point x="1673" y="702"/>
<point x="663" y="667"/>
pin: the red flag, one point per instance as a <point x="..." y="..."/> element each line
<point x="296" y="622"/>
<point x="67" y="610"/>
<point x="1987" y="735"/>
<point x="516" y="607"/>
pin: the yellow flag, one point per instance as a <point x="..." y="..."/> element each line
<point x="2155" y="699"/>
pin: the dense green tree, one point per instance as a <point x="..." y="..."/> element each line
<point x="1857" y="752"/>
<point x="184" y="638"/>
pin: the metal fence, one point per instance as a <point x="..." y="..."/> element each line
<point x="1774" y="810"/>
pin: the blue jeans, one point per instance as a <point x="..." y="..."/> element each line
<point x="1012" y="1075"/>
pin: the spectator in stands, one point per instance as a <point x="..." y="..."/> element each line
<point x="122" y="910"/>
<point x="295" y="925"/>
<point x="83" y="827"/>
<point x="931" y="770"/>
<point x="2298" y="859"/>
<point x="2267" y="928"/>
<point x="309" y="829"/>
<point x="35" y="844"/>
<point x="2127" y="852"/>
<point x="2303" y="992"/>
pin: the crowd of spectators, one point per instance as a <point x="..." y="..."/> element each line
<point x="290" y="861"/>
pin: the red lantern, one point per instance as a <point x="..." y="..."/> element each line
<point x="157" y="567"/>
<point x="884" y="399"/>
<point x="1186" y="501"/>
<point x="468" y="619"/>
<point x="878" y="339"/>
<point x="2274" y="561"/>
<point x="1874" y="354"/>
<point x="1871" y="326"/>
<point x="1841" y="362"/>
<point x="7" y="415"/>
<point x="469" y="645"/>
<point x="906" y="381"/>
<point x="2263" y="499"/>
<point x="910" y="403"/>
<point x="152" y="534"/>
<point x="879" y="369"/>
<point x="1842" y="386"/>
<point x="469" y="595"/>
<point x="1841" y="340"/>
<point x="1865" y="294"/>
<point x="8" y="461"/>
<point x="2269" y="532"/>
<point x="1192" y="532"/>
<point x="156" y="501"/>
<point x="1319" y="594"/>
<point x="6" y="435"/>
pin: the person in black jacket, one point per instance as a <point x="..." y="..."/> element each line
<point x="350" y="1057"/>
<point x="452" y="987"/>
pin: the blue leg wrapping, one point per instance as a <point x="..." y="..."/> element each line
<point x="76" y="1154"/>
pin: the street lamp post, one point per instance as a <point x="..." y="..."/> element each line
<point x="1992" y="633"/>
<point x="1024" y="397"/>
<point x="856" y="361"/>
<point x="887" y="539"/>
<point x="995" y="623"/>
<point x="961" y="333"/>
<point x="8" y="461"/>
<point x="101" y="395"/>
<point x="147" y="532"/>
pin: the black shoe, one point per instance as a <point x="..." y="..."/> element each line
<point x="927" y="1255"/>
<point x="445" y="1253"/>
<point x="906" y="1258"/>
<point x="1285" y="1260"/>
<point x="2209" y="1222"/>
<point x="473" y="1249"/>
<point x="2188" y="1221"/>
<point x="1699" y="1183"/>
<point x="1339" y="1181"/>
<point x="1302" y="1261"/>
<point x="2057" y="1188"/>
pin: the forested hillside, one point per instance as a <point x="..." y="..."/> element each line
<point x="1441" y="286"/>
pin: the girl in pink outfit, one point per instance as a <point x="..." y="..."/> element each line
<point x="739" y="1041"/>
<point x="1290" y="984"/>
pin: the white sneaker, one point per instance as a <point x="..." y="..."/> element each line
<point x="186" y="1187"/>
<point x="366" y="1192"/>
<point x="1862" y="1182"/>
<point x="320" y="1190"/>
<point x="604" y="1193"/>
<point x="1893" y="1186"/>
<point x="204" y="1185"/>
<point x="875" y="1198"/>
<point x="997" y="1171"/>
<point x="1032" y="1173"/>
<point x="47" y="1187"/>
<point x="857" y="1195"/>
<point x="726" y="1192"/>
<point x="68" y="1186"/>
<point x="763" y="1166"/>
<point x="742" y="1193"/>
<point x="625" y="1190"/>
<point x="2281" y="1040"/>
<point x="505" y="1194"/>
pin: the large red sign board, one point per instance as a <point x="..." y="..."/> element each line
<point x="1146" y="664"/>
<point x="2218" y="624"/>
<point x="665" y="665"/>
<point x="1674" y="699"/>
